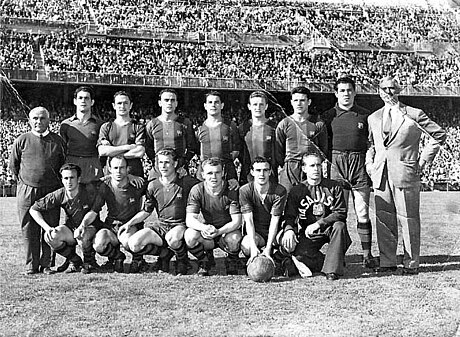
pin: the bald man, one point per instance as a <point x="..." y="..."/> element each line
<point x="35" y="160"/>
<point x="394" y="164"/>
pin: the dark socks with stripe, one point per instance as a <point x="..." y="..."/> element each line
<point x="365" y="235"/>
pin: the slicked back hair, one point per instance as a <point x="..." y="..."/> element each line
<point x="70" y="167"/>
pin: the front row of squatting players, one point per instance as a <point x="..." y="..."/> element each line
<point x="287" y="216"/>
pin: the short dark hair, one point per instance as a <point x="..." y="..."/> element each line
<point x="344" y="80"/>
<point x="70" y="167"/>
<point x="213" y="93"/>
<point x="258" y="94"/>
<point x="168" y="151"/>
<point x="117" y="157"/>
<point x="260" y="159"/>
<point x="170" y="90"/>
<point x="84" y="88"/>
<point x="213" y="161"/>
<point x="301" y="90"/>
<point x="122" y="93"/>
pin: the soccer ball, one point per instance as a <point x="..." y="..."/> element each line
<point x="261" y="269"/>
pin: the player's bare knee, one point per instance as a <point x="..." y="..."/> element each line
<point x="191" y="237"/>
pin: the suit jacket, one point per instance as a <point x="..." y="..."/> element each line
<point x="401" y="152"/>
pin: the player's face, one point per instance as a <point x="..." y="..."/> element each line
<point x="257" y="106"/>
<point x="83" y="101"/>
<point x="345" y="94"/>
<point x="168" y="102"/>
<point x="70" y="180"/>
<point x="312" y="167"/>
<point x="122" y="105"/>
<point x="212" y="175"/>
<point x="166" y="165"/>
<point x="300" y="103"/>
<point x="39" y="121"/>
<point x="213" y="105"/>
<point x="118" y="169"/>
<point x="261" y="173"/>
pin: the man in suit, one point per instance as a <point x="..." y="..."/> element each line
<point x="394" y="165"/>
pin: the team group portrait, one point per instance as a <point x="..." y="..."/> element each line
<point x="244" y="168"/>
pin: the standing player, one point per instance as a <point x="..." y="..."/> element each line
<point x="394" y="164"/>
<point x="123" y="136"/>
<point x="348" y="132"/>
<point x="123" y="201"/>
<point x="80" y="133"/>
<point x="262" y="205"/>
<point x="296" y="135"/>
<point x="218" y="137"/>
<point x="76" y="201"/>
<point x="220" y="222"/>
<point x="170" y="130"/>
<point x="259" y="137"/>
<point x="316" y="206"/>
<point x="35" y="160"/>
<point x="168" y="196"/>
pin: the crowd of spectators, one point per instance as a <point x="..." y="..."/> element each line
<point x="69" y="52"/>
<point x="16" y="51"/>
<point x="340" y="22"/>
<point x="52" y="10"/>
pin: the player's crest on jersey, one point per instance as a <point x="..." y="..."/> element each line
<point x="85" y="206"/>
<point x="225" y="138"/>
<point x="179" y="195"/>
<point x="179" y="132"/>
<point x="132" y="200"/>
<point x="318" y="209"/>
<point x="360" y="125"/>
<point x="311" y="134"/>
<point x="269" y="137"/>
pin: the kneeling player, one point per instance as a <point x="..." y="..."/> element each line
<point x="168" y="196"/>
<point x="318" y="207"/>
<point x="262" y="205"/>
<point x="76" y="201"/>
<point x="222" y="219"/>
<point x="123" y="201"/>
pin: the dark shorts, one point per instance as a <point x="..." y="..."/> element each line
<point x="161" y="228"/>
<point x="350" y="169"/>
<point x="291" y="174"/>
<point x="114" y="226"/>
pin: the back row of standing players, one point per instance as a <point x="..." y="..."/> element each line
<point x="213" y="214"/>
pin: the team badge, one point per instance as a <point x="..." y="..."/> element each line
<point x="318" y="209"/>
<point x="225" y="138"/>
<point x="360" y="125"/>
<point x="132" y="200"/>
<point x="85" y="206"/>
<point x="179" y="195"/>
<point x="312" y="133"/>
<point x="268" y="138"/>
<point x="179" y="132"/>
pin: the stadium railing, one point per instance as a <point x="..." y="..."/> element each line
<point x="210" y="82"/>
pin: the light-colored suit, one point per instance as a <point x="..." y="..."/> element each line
<point x="393" y="163"/>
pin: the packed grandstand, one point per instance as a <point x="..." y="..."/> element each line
<point x="230" y="45"/>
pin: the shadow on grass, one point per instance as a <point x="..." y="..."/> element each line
<point x="428" y="264"/>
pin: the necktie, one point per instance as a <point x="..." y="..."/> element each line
<point x="387" y="125"/>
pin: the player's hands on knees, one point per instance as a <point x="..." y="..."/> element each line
<point x="50" y="233"/>
<point x="233" y="184"/>
<point x="123" y="229"/>
<point x="79" y="232"/>
<point x="289" y="240"/>
<point x="209" y="232"/>
<point x="312" y="229"/>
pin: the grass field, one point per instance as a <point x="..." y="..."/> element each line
<point x="359" y="304"/>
